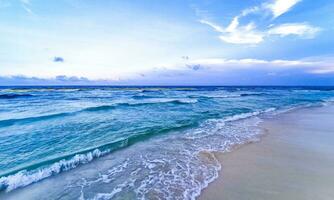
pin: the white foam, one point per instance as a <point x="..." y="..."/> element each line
<point x="24" y="178"/>
<point x="179" y="166"/>
<point x="167" y="100"/>
<point x="327" y="102"/>
<point x="247" y="115"/>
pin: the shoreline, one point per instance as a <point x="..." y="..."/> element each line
<point x="293" y="160"/>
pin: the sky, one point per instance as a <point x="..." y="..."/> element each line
<point x="175" y="42"/>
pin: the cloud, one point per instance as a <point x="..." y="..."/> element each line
<point x="58" y="59"/>
<point x="248" y="33"/>
<point x="279" y="7"/>
<point x="249" y="63"/>
<point x="27" y="2"/>
<point x="58" y="80"/>
<point x="212" y="71"/>
<point x="236" y="34"/>
<point x="241" y="34"/>
<point x="308" y="65"/>
<point x="275" y="7"/>
<point x="194" y="67"/>
<point x="328" y="70"/>
<point x="26" y="6"/>
<point x="321" y="65"/>
<point x="64" y="78"/>
<point x="219" y="71"/>
<point x="300" y="29"/>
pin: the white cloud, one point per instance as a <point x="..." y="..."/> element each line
<point x="25" y="1"/>
<point x="213" y="25"/>
<point x="222" y="63"/>
<point x="275" y="7"/>
<point x="279" y="7"/>
<point x="323" y="71"/>
<point x="26" y="6"/>
<point x="235" y="33"/>
<point x="319" y="65"/>
<point x="242" y="34"/>
<point x="250" y="62"/>
<point x="299" y="29"/>
<point x="251" y="10"/>
<point x="242" y="37"/>
<point x="27" y="9"/>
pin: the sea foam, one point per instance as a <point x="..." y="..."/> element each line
<point x="24" y="178"/>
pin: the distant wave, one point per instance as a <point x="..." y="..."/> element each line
<point x="252" y="94"/>
<point x="217" y="96"/>
<point x="13" y="96"/>
<point x="231" y="95"/>
<point x="151" y="90"/>
<point x="143" y="97"/>
<point x="136" y="104"/>
<point x="40" y="90"/>
<point x="214" y="96"/>
<point x="10" y="122"/>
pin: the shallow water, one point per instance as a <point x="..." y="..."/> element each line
<point x="129" y="142"/>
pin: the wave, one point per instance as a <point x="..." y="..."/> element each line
<point x="329" y="101"/>
<point x="136" y="104"/>
<point x="252" y="94"/>
<point x="39" y="171"/>
<point x="155" y="90"/>
<point x="24" y="178"/>
<point x="227" y="95"/>
<point x="190" y="169"/>
<point x="143" y="97"/>
<point x="10" y="122"/>
<point x="41" y="90"/>
<point x="214" y="96"/>
<point x="13" y="96"/>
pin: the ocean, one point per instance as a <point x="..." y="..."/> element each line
<point x="102" y="142"/>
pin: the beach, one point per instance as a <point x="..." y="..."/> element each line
<point x="293" y="160"/>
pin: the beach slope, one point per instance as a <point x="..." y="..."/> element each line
<point x="295" y="160"/>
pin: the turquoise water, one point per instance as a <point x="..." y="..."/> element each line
<point x="130" y="142"/>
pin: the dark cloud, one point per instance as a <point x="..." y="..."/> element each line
<point x="195" y="67"/>
<point x="58" y="59"/>
<point x="185" y="57"/>
<point x="71" y="78"/>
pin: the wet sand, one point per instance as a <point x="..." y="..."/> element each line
<point x="295" y="160"/>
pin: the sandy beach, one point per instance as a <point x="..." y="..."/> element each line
<point x="293" y="161"/>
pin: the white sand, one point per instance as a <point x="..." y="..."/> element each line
<point x="294" y="161"/>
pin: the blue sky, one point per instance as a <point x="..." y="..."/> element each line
<point x="190" y="42"/>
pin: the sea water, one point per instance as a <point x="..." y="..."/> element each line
<point x="103" y="142"/>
